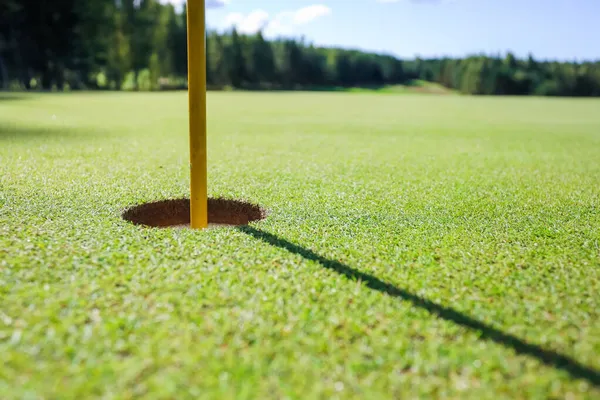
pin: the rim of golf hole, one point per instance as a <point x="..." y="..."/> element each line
<point x="175" y="213"/>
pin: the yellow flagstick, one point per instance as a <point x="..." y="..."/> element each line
<point x="196" y="33"/>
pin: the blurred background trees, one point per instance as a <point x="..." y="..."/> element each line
<point x="141" y="45"/>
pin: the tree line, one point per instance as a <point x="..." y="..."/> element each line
<point x="142" y="45"/>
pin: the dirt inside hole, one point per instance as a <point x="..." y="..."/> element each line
<point x="175" y="213"/>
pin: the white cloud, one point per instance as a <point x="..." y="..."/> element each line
<point x="209" y="3"/>
<point x="282" y="23"/>
<point x="310" y="13"/>
<point x="248" y="24"/>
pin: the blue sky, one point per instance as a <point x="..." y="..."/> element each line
<point x="550" y="29"/>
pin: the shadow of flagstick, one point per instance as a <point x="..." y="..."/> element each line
<point x="487" y="332"/>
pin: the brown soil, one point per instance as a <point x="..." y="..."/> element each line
<point x="176" y="213"/>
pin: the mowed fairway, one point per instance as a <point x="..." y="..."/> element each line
<point x="416" y="246"/>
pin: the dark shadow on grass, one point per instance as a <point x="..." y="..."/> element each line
<point x="410" y="86"/>
<point x="21" y="132"/>
<point x="298" y="88"/>
<point x="487" y="332"/>
<point x="8" y="96"/>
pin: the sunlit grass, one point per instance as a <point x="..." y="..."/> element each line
<point x="417" y="246"/>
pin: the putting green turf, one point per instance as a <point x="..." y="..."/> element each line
<point x="417" y="246"/>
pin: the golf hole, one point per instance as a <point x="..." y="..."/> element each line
<point x="176" y="213"/>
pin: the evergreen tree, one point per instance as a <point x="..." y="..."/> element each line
<point x="134" y="44"/>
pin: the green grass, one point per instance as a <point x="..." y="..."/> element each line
<point x="411" y="87"/>
<point x="417" y="246"/>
